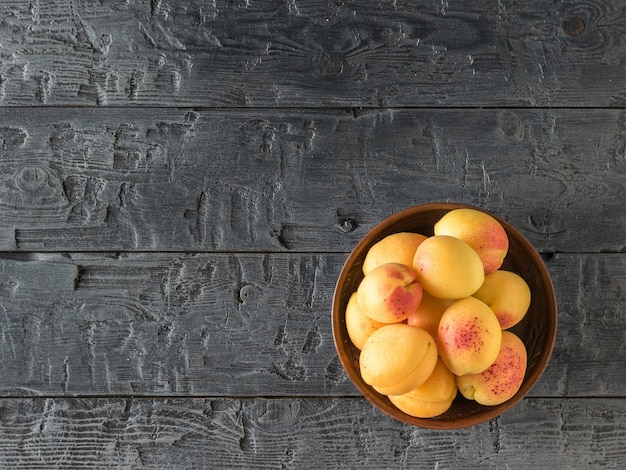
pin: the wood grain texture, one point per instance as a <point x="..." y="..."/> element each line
<point x="300" y="433"/>
<point x="181" y="181"/>
<point x="243" y="325"/>
<point x="317" y="180"/>
<point x="312" y="53"/>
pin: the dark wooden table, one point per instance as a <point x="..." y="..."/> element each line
<point x="181" y="182"/>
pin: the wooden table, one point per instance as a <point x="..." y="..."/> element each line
<point x="181" y="182"/>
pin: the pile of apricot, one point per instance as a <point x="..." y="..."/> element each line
<point x="432" y="316"/>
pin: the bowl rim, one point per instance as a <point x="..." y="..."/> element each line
<point x="487" y="412"/>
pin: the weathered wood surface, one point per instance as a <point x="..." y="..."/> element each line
<point x="244" y="324"/>
<point x="181" y="181"/>
<point x="317" y="180"/>
<point x="300" y="433"/>
<point x="313" y="53"/>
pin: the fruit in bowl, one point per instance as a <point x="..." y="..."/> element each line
<point x="389" y="292"/>
<point x="479" y="230"/>
<point x="433" y="397"/>
<point x="455" y="280"/>
<point x="469" y="336"/>
<point x="397" y="358"/>
<point x="502" y="379"/>
<point x="447" y="267"/>
<point x="507" y="294"/>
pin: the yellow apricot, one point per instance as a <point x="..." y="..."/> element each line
<point x="397" y="357"/>
<point x="432" y="398"/>
<point x="389" y="292"/>
<point x="502" y="379"/>
<point x="479" y="230"/>
<point x="447" y="267"/>
<point x="428" y="313"/>
<point x="359" y="325"/>
<point x="412" y="405"/>
<point x="469" y="336"/>
<point x="507" y="294"/>
<point x="395" y="248"/>
<point x="440" y="385"/>
<point x="419" y="375"/>
<point x="418" y="408"/>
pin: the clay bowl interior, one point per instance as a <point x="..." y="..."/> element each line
<point x="537" y="329"/>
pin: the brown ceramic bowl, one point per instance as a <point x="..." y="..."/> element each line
<point x="537" y="329"/>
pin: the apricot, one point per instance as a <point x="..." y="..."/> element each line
<point x="479" y="230"/>
<point x="389" y="293"/>
<point x="397" y="358"/>
<point x="440" y="385"/>
<point x="412" y="406"/>
<point x="428" y="313"/>
<point x="447" y="267"/>
<point x="502" y="379"/>
<point x="359" y="325"/>
<point x="469" y="336"/>
<point x="507" y="294"/>
<point x="395" y="248"/>
<point x="433" y="397"/>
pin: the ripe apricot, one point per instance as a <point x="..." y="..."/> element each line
<point x="359" y="325"/>
<point x="388" y="293"/>
<point x="395" y="248"/>
<point x="479" y="230"/>
<point x="447" y="267"/>
<point x="397" y="358"/>
<point x="502" y="379"/>
<point x="433" y="397"/>
<point x="469" y="336"/>
<point x="428" y="313"/>
<point x="507" y="294"/>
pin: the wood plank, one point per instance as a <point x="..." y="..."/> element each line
<point x="72" y="433"/>
<point x="313" y="53"/>
<point x="316" y="180"/>
<point x="243" y="324"/>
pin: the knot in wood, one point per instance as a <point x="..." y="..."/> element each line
<point x="248" y="294"/>
<point x="542" y="218"/>
<point x="573" y="26"/>
<point x="330" y="65"/>
<point x="31" y="178"/>
<point x="347" y="225"/>
<point x="510" y="124"/>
